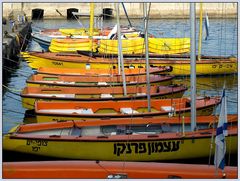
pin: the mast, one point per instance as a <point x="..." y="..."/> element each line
<point x="91" y="24"/>
<point x="193" y="65"/>
<point x="147" y="55"/>
<point x="200" y="33"/>
<point x="120" y="54"/>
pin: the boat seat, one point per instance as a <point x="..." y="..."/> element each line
<point x="133" y="82"/>
<point x="167" y="108"/>
<point x="71" y="111"/>
<point x="106" y="96"/>
<point x="128" y="110"/>
<point x="54" y="95"/>
<point x="141" y="94"/>
<point x="102" y="83"/>
<point x="64" y="82"/>
<point x="86" y="111"/>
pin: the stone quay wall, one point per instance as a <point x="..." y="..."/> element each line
<point x="135" y="10"/>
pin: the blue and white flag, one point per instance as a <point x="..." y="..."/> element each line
<point x="220" y="150"/>
<point x="206" y="26"/>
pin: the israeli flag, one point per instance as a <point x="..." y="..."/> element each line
<point x="220" y="149"/>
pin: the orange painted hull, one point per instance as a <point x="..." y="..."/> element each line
<point x="48" y="111"/>
<point x="100" y="72"/>
<point x="104" y="170"/>
<point x="73" y="81"/>
<point x="201" y="120"/>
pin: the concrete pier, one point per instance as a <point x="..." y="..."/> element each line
<point x="15" y="38"/>
<point x="135" y="10"/>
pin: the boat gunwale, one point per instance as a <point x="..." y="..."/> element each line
<point x="177" y="90"/>
<point x="153" y="79"/>
<point x="232" y="118"/>
<point x="118" y="115"/>
<point x="204" y="133"/>
<point x="153" y="71"/>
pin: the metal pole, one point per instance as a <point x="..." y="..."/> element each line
<point x="147" y="56"/>
<point x="119" y="61"/>
<point x="193" y="65"/>
<point x="120" y="54"/>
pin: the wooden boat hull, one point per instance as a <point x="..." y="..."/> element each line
<point x="31" y="94"/>
<point x="103" y="169"/>
<point x="179" y="66"/>
<point x="92" y="84"/>
<point x="100" y="72"/>
<point x="65" y="111"/>
<point x="143" y="147"/>
<point x="73" y="81"/>
<point x="54" y="117"/>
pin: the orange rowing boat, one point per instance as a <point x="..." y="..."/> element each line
<point x="73" y="81"/>
<point x="31" y="94"/>
<point x="112" y="170"/>
<point x="65" y="110"/>
<point x="101" y="72"/>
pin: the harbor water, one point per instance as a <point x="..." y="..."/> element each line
<point x="222" y="41"/>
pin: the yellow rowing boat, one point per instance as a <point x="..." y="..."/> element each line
<point x="78" y="31"/>
<point x="169" y="45"/>
<point x="136" y="46"/>
<point x="180" y="66"/>
<point x="69" y="140"/>
<point x="72" y="45"/>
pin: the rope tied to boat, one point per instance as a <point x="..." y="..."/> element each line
<point x="13" y="71"/>
<point x="12" y="90"/>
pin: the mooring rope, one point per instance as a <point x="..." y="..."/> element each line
<point x="17" y="112"/>
<point x="13" y="98"/>
<point x="11" y="60"/>
<point x="8" y="110"/>
<point x="13" y="71"/>
<point x="11" y="90"/>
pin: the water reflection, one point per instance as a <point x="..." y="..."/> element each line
<point x="213" y="86"/>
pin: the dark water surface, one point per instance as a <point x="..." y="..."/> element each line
<point x="221" y="42"/>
